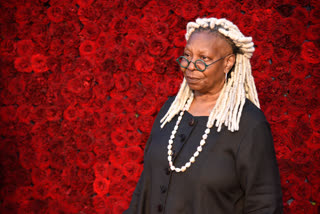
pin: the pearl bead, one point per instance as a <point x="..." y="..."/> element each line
<point x="196" y="154"/>
<point x="188" y="164"/>
<point x="207" y="131"/>
<point x="192" y="159"/>
<point x="202" y="142"/>
<point x="199" y="148"/>
<point x="169" y="158"/>
<point x="170" y="141"/>
<point x="172" y="168"/>
<point x="177" y="170"/>
<point x="170" y="152"/>
<point x="183" y="168"/>
<point x="204" y="136"/>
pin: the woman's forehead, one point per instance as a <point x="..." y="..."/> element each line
<point x="206" y="42"/>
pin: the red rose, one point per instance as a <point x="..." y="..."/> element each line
<point x="118" y="137"/>
<point x="313" y="142"/>
<point x="57" y="161"/>
<point x="41" y="189"/>
<point x="246" y="24"/>
<point x="144" y="63"/>
<point x="298" y="93"/>
<point x="24" y="13"/>
<point x="301" y="190"/>
<point x="27" y="157"/>
<point x="187" y="10"/>
<point x="101" y="169"/>
<point x="301" y="14"/>
<point x="146" y="106"/>
<point x="23" y="64"/>
<point x="101" y="186"/>
<point x="7" y="49"/>
<point x="71" y="113"/>
<point x="90" y="31"/>
<point x="132" y="169"/>
<point x="86" y="175"/>
<point x="314" y="15"/>
<point x="172" y="85"/>
<point x="121" y="81"/>
<point x="135" y="43"/>
<point x="145" y="123"/>
<point x="136" y="91"/>
<point x="158" y="46"/>
<point x="39" y="63"/>
<point x="89" y="13"/>
<point x="310" y="52"/>
<point x="300" y="155"/>
<point x="8" y="113"/>
<point x="160" y="29"/>
<point x="118" y="24"/>
<point x="133" y="24"/>
<point x="313" y="32"/>
<point x="87" y="48"/>
<point x="44" y="159"/>
<point x="299" y="69"/>
<point x="85" y="142"/>
<point x="120" y="206"/>
<point x="56" y="13"/>
<point x="100" y="204"/>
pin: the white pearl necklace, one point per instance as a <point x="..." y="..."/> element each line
<point x="199" y="148"/>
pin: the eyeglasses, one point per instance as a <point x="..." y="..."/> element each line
<point x="199" y="64"/>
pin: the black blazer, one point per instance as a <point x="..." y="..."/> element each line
<point x="236" y="172"/>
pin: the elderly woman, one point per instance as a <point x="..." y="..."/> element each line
<point x="211" y="149"/>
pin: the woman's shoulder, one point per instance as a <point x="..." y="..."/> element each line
<point x="251" y="115"/>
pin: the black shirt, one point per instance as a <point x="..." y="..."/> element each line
<point x="236" y="172"/>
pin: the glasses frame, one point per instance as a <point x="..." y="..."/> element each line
<point x="195" y="65"/>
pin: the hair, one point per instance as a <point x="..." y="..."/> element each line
<point x="240" y="84"/>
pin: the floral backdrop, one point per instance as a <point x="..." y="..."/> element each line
<point x="82" y="81"/>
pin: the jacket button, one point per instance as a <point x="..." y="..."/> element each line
<point x="191" y="122"/>
<point x="182" y="137"/>
<point x="160" y="207"/>
<point x="163" y="189"/>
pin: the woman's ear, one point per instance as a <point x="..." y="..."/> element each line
<point x="229" y="63"/>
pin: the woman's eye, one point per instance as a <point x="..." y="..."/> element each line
<point x="204" y="58"/>
<point x="186" y="54"/>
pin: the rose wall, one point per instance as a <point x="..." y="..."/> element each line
<point x="82" y="81"/>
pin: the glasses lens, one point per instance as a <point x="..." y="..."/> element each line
<point x="183" y="62"/>
<point x="200" y="65"/>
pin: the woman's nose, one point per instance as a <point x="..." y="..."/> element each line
<point x="191" y="66"/>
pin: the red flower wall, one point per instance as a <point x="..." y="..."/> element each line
<point x="82" y="81"/>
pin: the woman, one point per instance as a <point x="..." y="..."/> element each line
<point x="210" y="149"/>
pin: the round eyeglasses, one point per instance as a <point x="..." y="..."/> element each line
<point x="199" y="64"/>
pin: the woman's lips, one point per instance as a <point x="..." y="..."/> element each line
<point x="192" y="79"/>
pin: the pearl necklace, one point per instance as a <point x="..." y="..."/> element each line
<point x="199" y="148"/>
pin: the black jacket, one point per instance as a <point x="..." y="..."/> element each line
<point x="236" y="172"/>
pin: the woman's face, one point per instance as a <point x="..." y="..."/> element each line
<point x="208" y="47"/>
